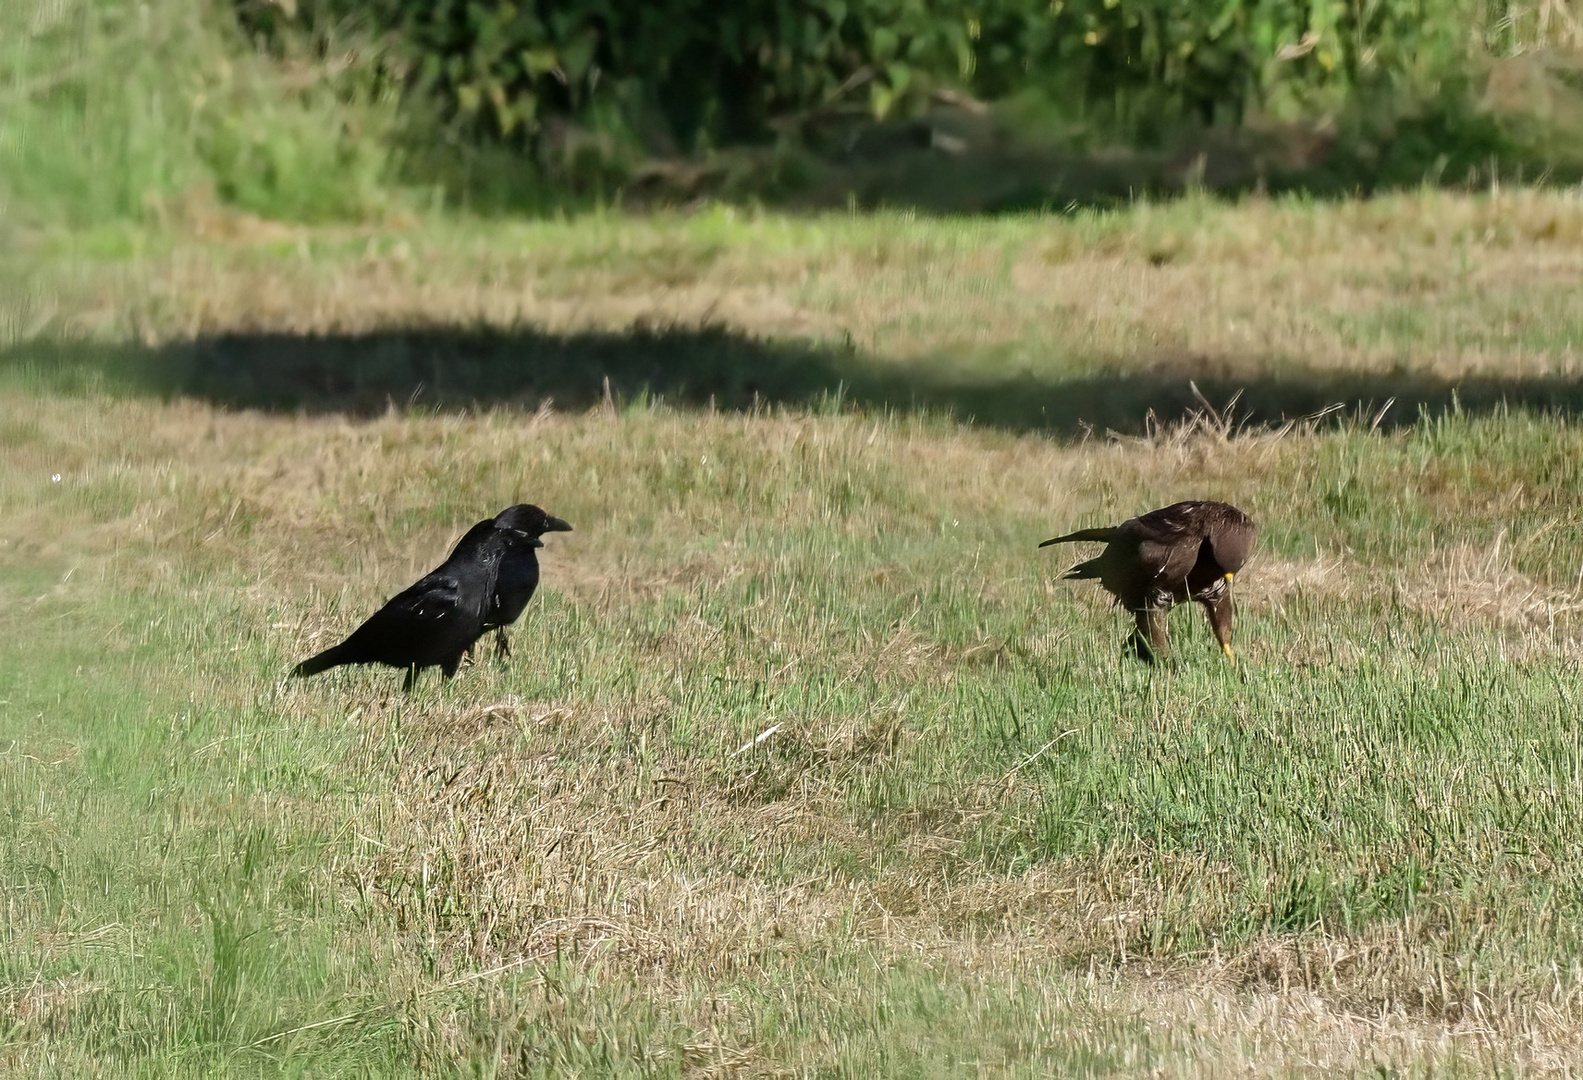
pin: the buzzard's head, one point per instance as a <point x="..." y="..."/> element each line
<point x="1232" y="536"/>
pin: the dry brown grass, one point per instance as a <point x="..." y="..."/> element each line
<point x="596" y="832"/>
<point x="501" y="836"/>
<point x="1438" y="284"/>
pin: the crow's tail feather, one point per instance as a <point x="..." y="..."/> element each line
<point x="1103" y="535"/>
<point x="329" y="658"/>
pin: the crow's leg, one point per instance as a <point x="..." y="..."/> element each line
<point x="411" y="679"/>
<point x="502" y="646"/>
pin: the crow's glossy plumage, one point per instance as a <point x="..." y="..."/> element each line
<point x="436" y="620"/>
<point x="1186" y="551"/>
<point x="518" y="575"/>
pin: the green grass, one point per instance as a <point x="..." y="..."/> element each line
<point x="1058" y="323"/>
<point x="156" y="112"/>
<point x="977" y="841"/>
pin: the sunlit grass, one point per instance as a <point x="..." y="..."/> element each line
<point x="805" y="764"/>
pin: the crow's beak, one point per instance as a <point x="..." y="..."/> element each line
<point x="1050" y="541"/>
<point x="555" y="524"/>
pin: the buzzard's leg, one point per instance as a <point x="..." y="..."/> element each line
<point x="1219" y="611"/>
<point x="502" y="646"/>
<point x="1151" y="641"/>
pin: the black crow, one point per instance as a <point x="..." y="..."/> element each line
<point x="437" y="619"/>
<point x="1186" y="551"/>
<point x="519" y="568"/>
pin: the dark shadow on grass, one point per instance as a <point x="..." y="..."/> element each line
<point x="448" y="369"/>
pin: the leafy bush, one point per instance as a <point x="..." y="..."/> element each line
<point x="711" y="71"/>
<point x="115" y="110"/>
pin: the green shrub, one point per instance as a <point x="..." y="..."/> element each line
<point x="112" y="110"/>
<point x="712" y="71"/>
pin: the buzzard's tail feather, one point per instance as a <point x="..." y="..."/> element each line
<point x="1104" y="535"/>
<point x="1085" y="570"/>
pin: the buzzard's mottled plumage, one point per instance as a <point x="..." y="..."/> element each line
<point x="1185" y="551"/>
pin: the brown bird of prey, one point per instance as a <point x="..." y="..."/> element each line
<point x="1185" y="551"/>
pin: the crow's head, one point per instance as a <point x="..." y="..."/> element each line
<point x="528" y="520"/>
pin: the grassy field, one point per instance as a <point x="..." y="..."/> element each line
<point x="808" y="462"/>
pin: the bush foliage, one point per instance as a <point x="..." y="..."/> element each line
<point x="324" y="109"/>
<point x="716" y="71"/>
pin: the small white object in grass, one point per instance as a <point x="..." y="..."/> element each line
<point x="54" y="478"/>
<point x="760" y="737"/>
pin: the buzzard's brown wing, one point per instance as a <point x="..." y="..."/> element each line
<point x="1178" y="552"/>
<point x="1168" y="542"/>
<point x="1179" y="521"/>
